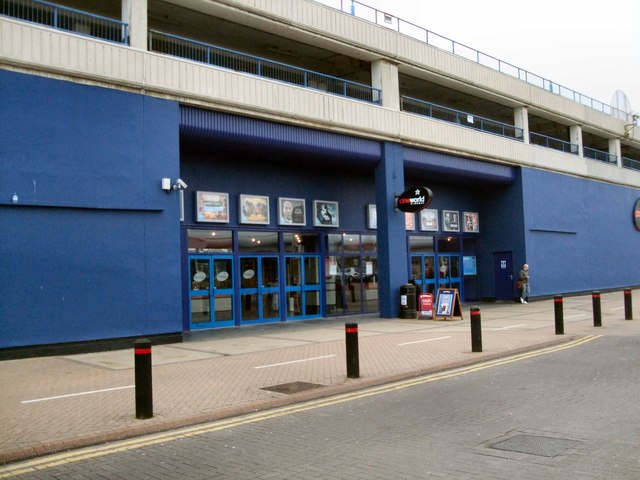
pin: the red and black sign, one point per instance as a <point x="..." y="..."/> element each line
<point x="414" y="199"/>
<point x="636" y="214"/>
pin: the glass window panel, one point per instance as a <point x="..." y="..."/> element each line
<point x="370" y="284"/>
<point x="223" y="273"/>
<point x="209" y="241"/>
<point x="420" y="244"/>
<point x="312" y="300"/>
<point x="270" y="272"/>
<point x="334" y="242"/>
<point x="223" y="305"/>
<point x="258" y="242"/>
<point x="249" y="306"/>
<point x="294" y="271"/>
<point x="270" y="305"/>
<point x="369" y="243"/>
<point x="351" y="242"/>
<point x="199" y="270"/>
<point x="311" y="271"/>
<point x="200" y="309"/>
<point x="333" y="286"/>
<point x="248" y="272"/>
<point x="301" y="242"/>
<point x="448" y="244"/>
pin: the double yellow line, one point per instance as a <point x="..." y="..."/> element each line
<point x="133" y="444"/>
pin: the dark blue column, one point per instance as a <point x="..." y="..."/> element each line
<point x="392" y="237"/>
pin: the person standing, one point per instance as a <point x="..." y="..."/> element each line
<point x="523" y="276"/>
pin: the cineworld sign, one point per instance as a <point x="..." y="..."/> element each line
<point x="414" y="199"/>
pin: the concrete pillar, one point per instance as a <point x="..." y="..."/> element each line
<point x="575" y="137"/>
<point x="393" y="265"/>
<point x="384" y="75"/>
<point x="134" y="12"/>
<point x="616" y="149"/>
<point x="521" y="120"/>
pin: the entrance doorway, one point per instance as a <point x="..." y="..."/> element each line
<point x="259" y="289"/>
<point x="211" y="297"/>
<point x="302" y="289"/>
<point x="432" y="271"/>
<point x="503" y="273"/>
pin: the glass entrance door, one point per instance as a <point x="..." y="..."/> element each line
<point x="210" y="291"/>
<point x="302" y="286"/>
<point x="423" y="273"/>
<point x="259" y="289"/>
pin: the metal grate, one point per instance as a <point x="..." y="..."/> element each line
<point x="293" y="387"/>
<point x="536" y="445"/>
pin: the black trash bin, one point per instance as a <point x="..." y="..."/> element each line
<point x="408" y="301"/>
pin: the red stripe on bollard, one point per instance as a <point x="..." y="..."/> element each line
<point x="351" y="330"/>
<point x="475" y="312"/>
<point x="558" y="300"/>
<point x="142" y="351"/>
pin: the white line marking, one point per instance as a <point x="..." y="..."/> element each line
<point x="619" y="308"/>
<point x="421" y="341"/>
<point x="510" y="326"/>
<point x="77" y="394"/>
<point x="294" y="361"/>
<point x="575" y="316"/>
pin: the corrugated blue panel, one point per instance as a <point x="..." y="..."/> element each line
<point x="459" y="167"/>
<point x="208" y="127"/>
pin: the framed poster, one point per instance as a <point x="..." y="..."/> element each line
<point x="254" y="209"/>
<point x="372" y="216"/>
<point x="325" y="213"/>
<point x="291" y="211"/>
<point x="409" y="221"/>
<point x="212" y="207"/>
<point x="429" y="220"/>
<point x="450" y="221"/>
<point x="471" y="222"/>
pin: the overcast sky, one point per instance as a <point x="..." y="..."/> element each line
<point x="590" y="47"/>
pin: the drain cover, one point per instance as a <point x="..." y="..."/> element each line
<point x="536" y="445"/>
<point x="293" y="387"/>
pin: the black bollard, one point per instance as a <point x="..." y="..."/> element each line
<point x="476" y="330"/>
<point x="597" y="313"/>
<point x="557" y="302"/>
<point x="628" y="309"/>
<point x="144" y="388"/>
<point x="353" y="362"/>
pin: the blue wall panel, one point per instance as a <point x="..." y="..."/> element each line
<point x="92" y="244"/>
<point x="579" y="234"/>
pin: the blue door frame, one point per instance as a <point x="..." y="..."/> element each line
<point x="259" y="292"/>
<point x="302" y="287"/>
<point x="432" y="271"/>
<point x="211" y="292"/>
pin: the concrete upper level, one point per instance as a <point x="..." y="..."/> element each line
<point x="311" y="36"/>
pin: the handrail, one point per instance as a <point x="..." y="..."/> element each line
<point x="599" y="155"/>
<point x="403" y="27"/>
<point x="631" y="163"/>
<point x="465" y="119"/>
<point x="222" y="57"/>
<point x="68" y="19"/>
<point x="551" y="142"/>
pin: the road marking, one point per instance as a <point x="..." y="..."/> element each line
<point x="510" y="326"/>
<point x="576" y="316"/>
<point x="619" y="308"/>
<point x="149" y="440"/>
<point x="78" y="394"/>
<point x="422" y="341"/>
<point x="294" y="361"/>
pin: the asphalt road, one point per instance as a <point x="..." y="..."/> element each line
<point x="570" y="412"/>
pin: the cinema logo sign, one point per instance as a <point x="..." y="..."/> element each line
<point x="414" y="199"/>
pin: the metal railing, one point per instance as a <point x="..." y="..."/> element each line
<point x="631" y="163"/>
<point x="416" y="32"/>
<point x="221" y="57"/>
<point x="599" y="155"/>
<point x="68" y="19"/>
<point x="555" y="143"/>
<point x="426" y="109"/>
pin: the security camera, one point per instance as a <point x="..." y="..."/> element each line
<point x="180" y="185"/>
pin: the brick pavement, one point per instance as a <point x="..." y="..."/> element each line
<point x="56" y="403"/>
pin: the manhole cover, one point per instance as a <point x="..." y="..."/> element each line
<point x="293" y="387"/>
<point x="536" y="445"/>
